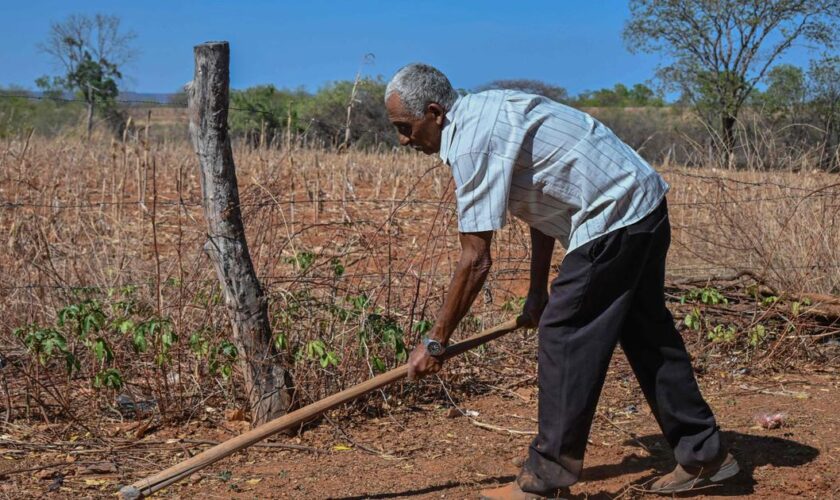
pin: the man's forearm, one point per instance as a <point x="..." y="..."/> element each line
<point x="469" y="277"/>
<point x="542" y="246"/>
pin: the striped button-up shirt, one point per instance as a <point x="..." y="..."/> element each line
<point x="556" y="168"/>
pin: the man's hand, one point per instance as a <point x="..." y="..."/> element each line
<point x="421" y="363"/>
<point x="532" y="310"/>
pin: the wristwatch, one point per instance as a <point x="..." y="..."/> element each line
<point x="433" y="347"/>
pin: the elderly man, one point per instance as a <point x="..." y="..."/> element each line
<point x="572" y="180"/>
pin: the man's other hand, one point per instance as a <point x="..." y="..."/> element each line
<point x="421" y="363"/>
<point x="532" y="310"/>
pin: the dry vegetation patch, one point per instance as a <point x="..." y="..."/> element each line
<point x="100" y="325"/>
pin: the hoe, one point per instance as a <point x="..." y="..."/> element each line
<point x="181" y="470"/>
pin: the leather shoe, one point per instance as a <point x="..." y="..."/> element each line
<point x="512" y="491"/>
<point x="688" y="478"/>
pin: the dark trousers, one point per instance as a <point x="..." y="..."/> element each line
<point x="612" y="290"/>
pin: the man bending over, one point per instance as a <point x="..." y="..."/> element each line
<point x="571" y="180"/>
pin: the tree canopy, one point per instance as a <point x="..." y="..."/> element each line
<point x="91" y="51"/>
<point x="720" y="49"/>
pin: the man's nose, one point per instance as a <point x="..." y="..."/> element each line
<point x="404" y="140"/>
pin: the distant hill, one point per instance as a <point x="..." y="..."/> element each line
<point x="138" y="98"/>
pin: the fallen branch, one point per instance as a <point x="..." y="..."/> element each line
<point x="496" y="428"/>
<point x="32" y="469"/>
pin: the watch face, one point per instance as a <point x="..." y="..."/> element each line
<point x="434" y="347"/>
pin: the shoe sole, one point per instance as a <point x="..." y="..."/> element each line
<point x="726" y="472"/>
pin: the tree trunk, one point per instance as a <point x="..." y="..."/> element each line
<point x="89" y="117"/>
<point x="829" y="150"/>
<point x="267" y="382"/>
<point x="727" y="125"/>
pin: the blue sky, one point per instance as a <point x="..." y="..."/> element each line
<point x="573" y="43"/>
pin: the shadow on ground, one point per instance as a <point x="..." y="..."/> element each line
<point x="431" y="489"/>
<point x="751" y="451"/>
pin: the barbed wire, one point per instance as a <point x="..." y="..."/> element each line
<point x="194" y="203"/>
<point x="59" y="205"/>
<point x="818" y="192"/>
<point x="302" y="278"/>
<point x="156" y="104"/>
<point x="721" y="179"/>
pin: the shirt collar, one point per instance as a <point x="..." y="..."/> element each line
<point x="448" y="131"/>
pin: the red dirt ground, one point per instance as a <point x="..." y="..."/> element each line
<point x="424" y="452"/>
<point x="435" y="456"/>
<point x="427" y="453"/>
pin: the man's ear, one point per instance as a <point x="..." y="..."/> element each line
<point x="437" y="111"/>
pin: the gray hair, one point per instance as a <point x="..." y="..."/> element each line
<point x="420" y="84"/>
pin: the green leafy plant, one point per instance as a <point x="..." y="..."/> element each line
<point x="199" y="344"/>
<point x="302" y="260"/>
<point x="385" y="333"/>
<point x="337" y="267"/>
<point x="222" y="358"/>
<point x="45" y="343"/>
<point x="423" y="326"/>
<point x="513" y="305"/>
<point x="756" y="335"/>
<point x="694" y="319"/>
<point x="316" y="350"/>
<point x="109" y="378"/>
<point x="706" y="295"/>
<point x="357" y="306"/>
<point x="102" y="351"/>
<point x="796" y="306"/>
<point x="359" y="303"/>
<point x="377" y="364"/>
<point x="85" y="317"/>
<point x="769" y="300"/>
<point x="722" y="334"/>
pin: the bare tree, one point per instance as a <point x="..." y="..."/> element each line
<point x="91" y="51"/>
<point x="722" y="48"/>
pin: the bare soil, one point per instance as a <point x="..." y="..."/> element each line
<point x="431" y="450"/>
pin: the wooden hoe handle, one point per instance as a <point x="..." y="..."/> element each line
<point x="181" y="470"/>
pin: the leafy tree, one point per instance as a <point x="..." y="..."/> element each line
<point x="640" y="95"/>
<point x="538" y="87"/>
<point x="263" y="113"/>
<point x="91" y="51"/>
<point x="325" y="114"/>
<point x="786" y="90"/>
<point x="722" y="48"/>
<point x="20" y="114"/>
<point x="824" y="88"/>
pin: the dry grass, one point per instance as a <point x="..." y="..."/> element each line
<point x="78" y="222"/>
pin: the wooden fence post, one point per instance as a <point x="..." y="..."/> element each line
<point x="267" y="382"/>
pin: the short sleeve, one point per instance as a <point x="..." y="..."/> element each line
<point x="482" y="183"/>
